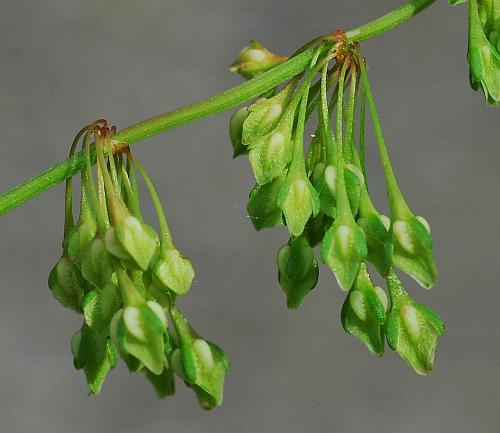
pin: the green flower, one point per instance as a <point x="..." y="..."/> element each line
<point x="413" y="249"/>
<point x="138" y="329"/>
<point x="97" y="263"/>
<point x="412" y="329"/>
<point x="271" y="153"/>
<point x="94" y="354"/>
<point x="99" y="307"/>
<point x="262" y="204"/>
<point x="255" y="59"/>
<point x="173" y="272"/>
<point x="297" y="270"/>
<point x="202" y="364"/>
<point x="132" y="241"/>
<point x="297" y="198"/>
<point x="67" y="284"/>
<point x="364" y="312"/>
<point x="265" y="114"/>
<point x="342" y="250"/>
<point x="484" y="48"/>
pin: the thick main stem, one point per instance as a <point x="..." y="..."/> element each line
<point x="200" y="110"/>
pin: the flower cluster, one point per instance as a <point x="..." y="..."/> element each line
<point x="124" y="279"/>
<point x="321" y="194"/>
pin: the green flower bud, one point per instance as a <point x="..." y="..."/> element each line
<point x="412" y="329"/>
<point x="138" y="331"/>
<point x="67" y="284"/>
<point x="265" y="114"/>
<point x="99" y="307"/>
<point x="79" y="240"/>
<point x="364" y="312"/>
<point x="413" y="249"/>
<point x="297" y="270"/>
<point x="271" y="153"/>
<point x="262" y="204"/>
<point x="255" y="59"/>
<point x="342" y="250"/>
<point x="173" y="272"/>
<point x="236" y="131"/>
<point x="96" y="263"/>
<point x="298" y="199"/>
<point x="138" y="328"/>
<point x="95" y="355"/>
<point x="132" y="240"/>
<point x="378" y="240"/>
<point x="202" y="364"/>
<point x="484" y="48"/>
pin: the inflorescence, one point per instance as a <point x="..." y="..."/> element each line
<point x="124" y="279"/>
<point x="321" y="194"/>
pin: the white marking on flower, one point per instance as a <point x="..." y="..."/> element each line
<point x="358" y="304"/>
<point x="330" y="177"/>
<point x="203" y="351"/>
<point x="344" y="237"/>
<point x="382" y="296"/>
<point x="425" y="223"/>
<point x="385" y="221"/>
<point x="255" y="55"/>
<point x="133" y="324"/>
<point x="411" y="320"/>
<point x="400" y="230"/>
<point x="158" y="310"/>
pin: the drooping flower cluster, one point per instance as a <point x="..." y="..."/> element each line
<point x="125" y="279"/>
<point x="321" y="194"/>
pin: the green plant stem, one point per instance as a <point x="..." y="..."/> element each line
<point x="203" y="109"/>
<point x="388" y="21"/>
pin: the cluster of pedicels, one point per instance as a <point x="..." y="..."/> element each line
<point x="125" y="279"/>
<point x="320" y="192"/>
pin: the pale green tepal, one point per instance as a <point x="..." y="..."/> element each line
<point x="364" y="312"/>
<point x="254" y="60"/>
<point x="138" y="328"/>
<point x="94" y="354"/>
<point x="99" y="307"/>
<point x="297" y="197"/>
<point x="413" y="249"/>
<point x="412" y="329"/>
<point x="132" y="241"/>
<point x="67" y="284"/>
<point x="271" y="153"/>
<point x="262" y="204"/>
<point x="200" y="363"/>
<point x="484" y="48"/>
<point x="173" y="272"/>
<point x="265" y="114"/>
<point x="298" y="270"/>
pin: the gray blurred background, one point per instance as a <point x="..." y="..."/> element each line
<point x="65" y="63"/>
